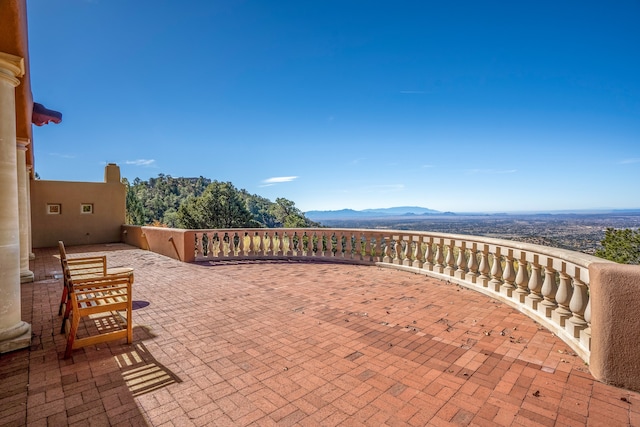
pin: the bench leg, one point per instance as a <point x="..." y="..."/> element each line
<point x="67" y="312"/>
<point x="63" y="299"/>
<point x="75" y="320"/>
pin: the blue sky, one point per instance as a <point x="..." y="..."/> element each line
<point x="457" y="105"/>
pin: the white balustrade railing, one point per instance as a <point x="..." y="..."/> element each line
<point x="550" y="285"/>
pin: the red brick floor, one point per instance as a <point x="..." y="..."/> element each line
<point x="299" y="344"/>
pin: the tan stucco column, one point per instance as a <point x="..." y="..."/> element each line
<point x="14" y="333"/>
<point x="24" y="215"/>
<point x="32" y="256"/>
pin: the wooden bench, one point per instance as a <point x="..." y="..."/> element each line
<point x="106" y="304"/>
<point x="99" y="295"/>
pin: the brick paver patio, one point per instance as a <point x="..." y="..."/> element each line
<point x="287" y="343"/>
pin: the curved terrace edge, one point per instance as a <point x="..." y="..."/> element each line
<point x="586" y="301"/>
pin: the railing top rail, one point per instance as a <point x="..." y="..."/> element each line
<point x="573" y="257"/>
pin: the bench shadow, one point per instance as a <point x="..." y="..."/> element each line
<point x="142" y="372"/>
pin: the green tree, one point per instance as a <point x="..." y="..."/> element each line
<point x="220" y="206"/>
<point x="287" y="215"/>
<point x="160" y="199"/>
<point x="622" y="246"/>
<point x="134" y="210"/>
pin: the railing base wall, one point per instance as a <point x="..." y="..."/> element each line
<point x="282" y="258"/>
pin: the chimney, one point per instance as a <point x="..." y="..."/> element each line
<point x="112" y="173"/>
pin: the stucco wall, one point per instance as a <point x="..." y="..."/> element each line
<point x="615" y="324"/>
<point x="71" y="225"/>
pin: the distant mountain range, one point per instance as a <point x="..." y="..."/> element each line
<point x="416" y="211"/>
<point x="372" y="213"/>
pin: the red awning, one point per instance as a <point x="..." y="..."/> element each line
<point x="42" y="116"/>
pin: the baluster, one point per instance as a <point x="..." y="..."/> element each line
<point x="428" y="255"/>
<point x="307" y="248"/>
<point x="417" y="255"/>
<point x="201" y="247"/>
<point x="204" y="240"/>
<point x="263" y="243"/>
<point x="398" y="251"/>
<point x="509" y="275"/>
<point x="230" y="245"/>
<point x="299" y="243"/>
<point x="314" y="244"/>
<point x="310" y="244"/>
<point x="484" y="267"/>
<point x="549" y="290"/>
<point x="407" y="252"/>
<point x="585" y="334"/>
<point x="577" y="305"/>
<point x="461" y="261"/>
<point x="206" y="250"/>
<point x="278" y="248"/>
<point x="375" y="247"/>
<point x="197" y="244"/>
<point x="348" y="254"/>
<point x="327" y="244"/>
<point x="387" y="250"/>
<point x="496" y="271"/>
<point x="472" y="264"/>
<point x="215" y="246"/>
<point x="320" y="237"/>
<point x="268" y="243"/>
<point x="450" y="261"/>
<point x="359" y="247"/>
<point x="535" y="285"/>
<point x="522" y="279"/>
<point x="563" y="298"/>
<point x="291" y="243"/>
<point x="368" y="247"/>
<point x="329" y="248"/>
<point x="250" y="249"/>
<point x="439" y="257"/>
<point x="223" y="244"/>
<point x="286" y="244"/>
<point x="239" y="243"/>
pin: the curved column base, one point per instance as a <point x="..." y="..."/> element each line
<point x="26" y="276"/>
<point x="15" y="338"/>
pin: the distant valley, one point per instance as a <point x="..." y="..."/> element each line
<point x="578" y="230"/>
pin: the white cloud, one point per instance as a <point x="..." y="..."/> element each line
<point x="279" y="179"/>
<point x="140" y="162"/>
<point x="492" y="171"/>
<point x="63" y="156"/>
<point x="630" y="161"/>
<point x="385" y="188"/>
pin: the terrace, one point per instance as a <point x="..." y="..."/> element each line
<point x="309" y="327"/>
<point x="296" y="340"/>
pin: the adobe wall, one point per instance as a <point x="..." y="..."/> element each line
<point x="615" y="324"/>
<point x="78" y="213"/>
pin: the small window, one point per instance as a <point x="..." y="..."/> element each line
<point x="86" y="208"/>
<point x="53" y="209"/>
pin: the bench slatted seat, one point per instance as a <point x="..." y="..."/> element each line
<point x="109" y="296"/>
